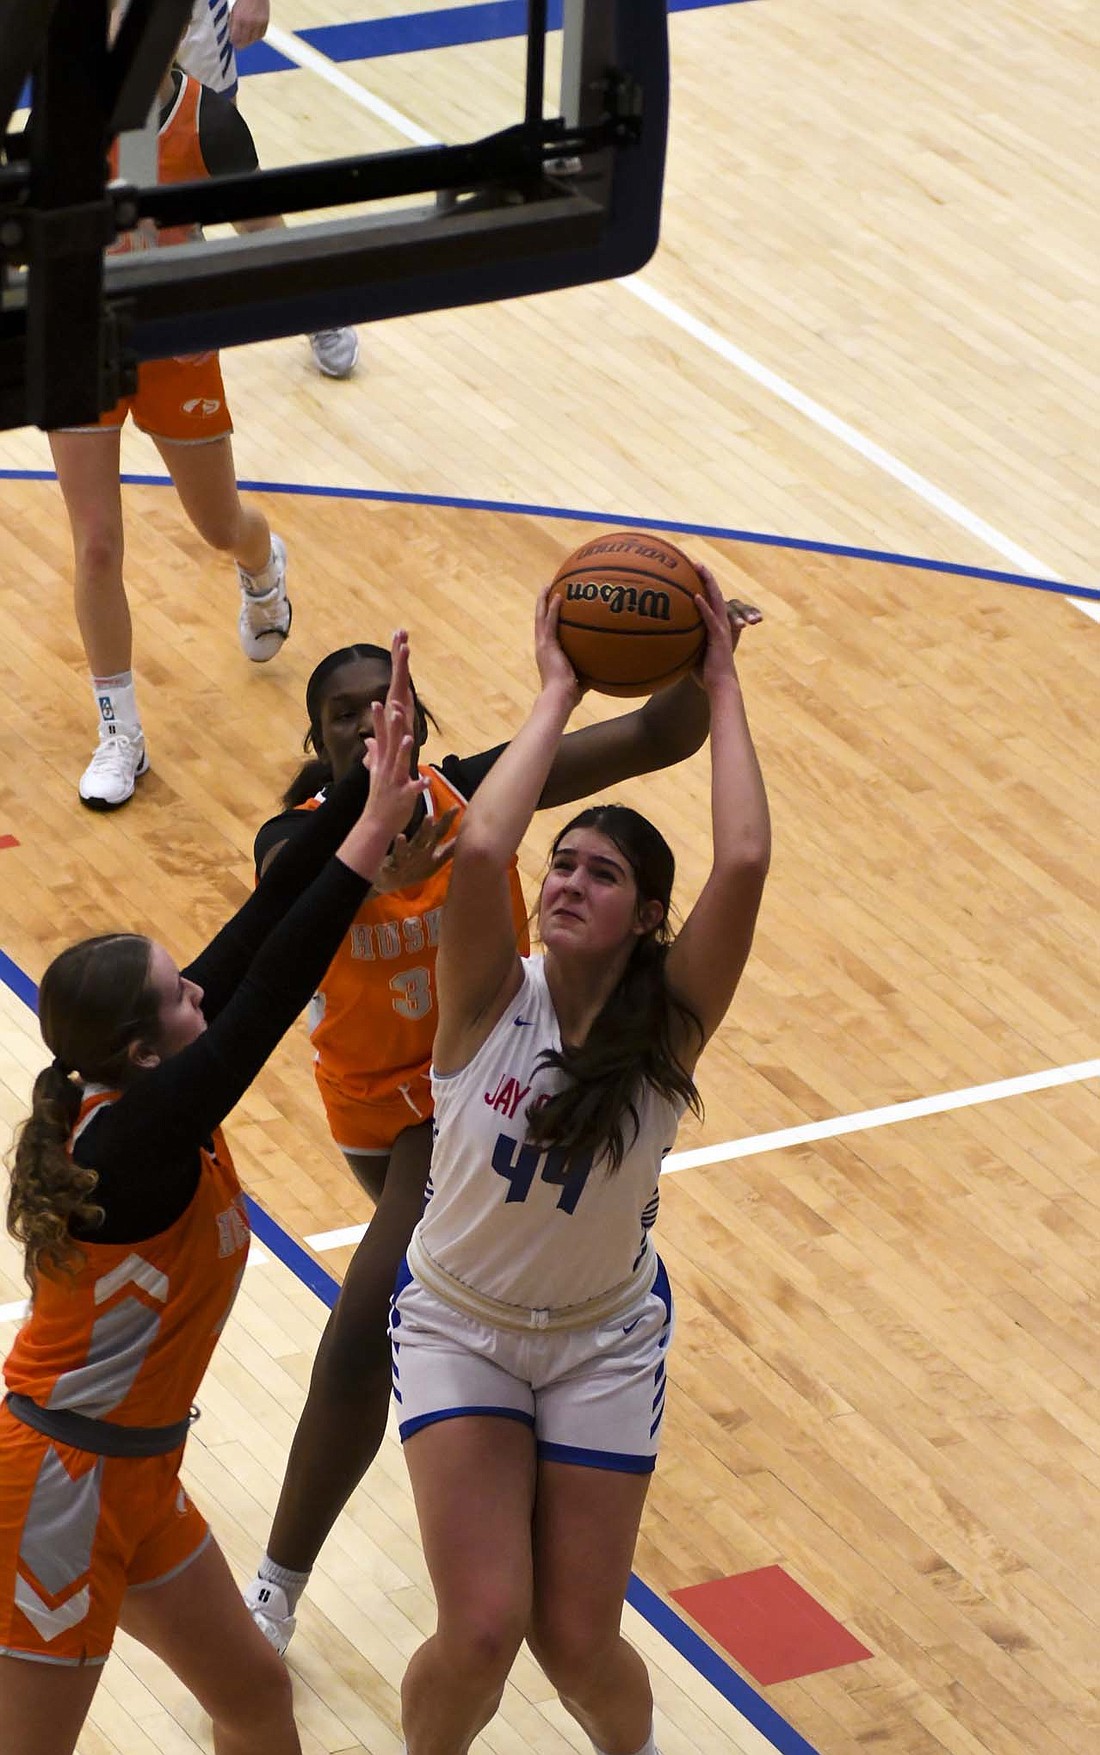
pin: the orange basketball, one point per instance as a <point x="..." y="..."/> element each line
<point x="629" y="623"/>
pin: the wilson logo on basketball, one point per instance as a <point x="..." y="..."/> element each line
<point x="628" y="620"/>
<point x="619" y="598"/>
<point x="201" y="405"/>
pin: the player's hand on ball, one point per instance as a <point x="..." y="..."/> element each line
<point x="725" y="618"/>
<point x="741" y="615"/>
<point x="554" y="666"/>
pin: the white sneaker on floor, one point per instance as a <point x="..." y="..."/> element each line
<point x="119" y="761"/>
<point x="264" y="621"/>
<point x="267" y="1605"/>
<point x="336" y="351"/>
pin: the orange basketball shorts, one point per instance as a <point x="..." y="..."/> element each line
<point x="76" y="1533"/>
<point x="179" y="399"/>
<point x="371" y="1122"/>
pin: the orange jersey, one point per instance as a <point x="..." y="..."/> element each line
<point x="127" y="1337"/>
<point x="374" y="1018"/>
<point x="181" y="399"/>
<point x="179" y="160"/>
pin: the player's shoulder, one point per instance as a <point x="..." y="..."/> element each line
<point x="452" y="769"/>
<point x="225" y="138"/>
<point x="279" y="828"/>
<point x="465" y="773"/>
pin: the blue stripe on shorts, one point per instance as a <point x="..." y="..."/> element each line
<point x="408" y="1427"/>
<point x="621" y="1462"/>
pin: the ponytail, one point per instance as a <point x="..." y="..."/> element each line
<point x="49" y="1190"/>
<point x="94" y="1001"/>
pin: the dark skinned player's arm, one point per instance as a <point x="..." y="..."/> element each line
<point x="665" y="729"/>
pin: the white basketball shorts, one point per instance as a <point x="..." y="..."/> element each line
<point x="206" y="52"/>
<point x="592" y="1396"/>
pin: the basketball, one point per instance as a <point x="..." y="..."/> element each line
<point x="629" y="624"/>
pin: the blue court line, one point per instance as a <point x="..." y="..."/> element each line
<point x="439" y="28"/>
<point x="281" y="1244"/>
<point x="21" y="985"/>
<point x="652" y="1608"/>
<point x="619" y="521"/>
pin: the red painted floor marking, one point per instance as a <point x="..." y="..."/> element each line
<point x="8" y="841"/>
<point x="770" y="1625"/>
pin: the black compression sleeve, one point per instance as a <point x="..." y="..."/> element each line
<point x="221" y="966"/>
<point x="135" y="1206"/>
<point x="172" y="1109"/>
<point x="465" y="774"/>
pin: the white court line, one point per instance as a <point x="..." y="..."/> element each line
<point x="299" y="52"/>
<point x="286" y="43"/>
<point x="840" y="429"/>
<point x="893" y="1112"/>
<point x="826" y="1130"/>
<point x="336" y="1239"/>
<point x="778" y="1140"/>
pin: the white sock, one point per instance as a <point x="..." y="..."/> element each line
<point x="258" y="584"/>
<point x="114" y="697"/>
<point x="292" y="1584"/>
<point x="649" y="1747"/>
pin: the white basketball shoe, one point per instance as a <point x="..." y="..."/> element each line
<point x="336" y="351"/>
<point x="267" y="1605"/>
<point x="264" y="621"/>
<point x="119" y="762"/>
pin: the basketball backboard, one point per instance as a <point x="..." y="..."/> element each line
<point x="560" y="193"/>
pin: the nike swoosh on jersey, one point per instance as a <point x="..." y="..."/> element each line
<point x="523" y="1023"/>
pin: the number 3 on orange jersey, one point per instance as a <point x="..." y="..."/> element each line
<point x="412" y="993"/>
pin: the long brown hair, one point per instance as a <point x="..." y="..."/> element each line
<point x="632" y="1042"/>
<point x="94" y="1001"/>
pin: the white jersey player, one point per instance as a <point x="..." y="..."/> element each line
<point x="216" y="31"/>
<point x="532" y="1318"/>
<point x="501" y="1238"/>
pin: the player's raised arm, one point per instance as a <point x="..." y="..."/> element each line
<point x="478" y="964"/>
<point x="667" y="728"/>
<point x="709" y="953"/>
